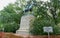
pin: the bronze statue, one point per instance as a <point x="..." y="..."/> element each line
<point x="28" y="6"/>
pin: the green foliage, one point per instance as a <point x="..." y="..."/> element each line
<point x="11" y="27"/>
<point x="10" y="18"/>
<point x="1" y="27"/>
<point x="44" y="19"/>
<point x="57" y="29"/>
<point x="37" y="27"/>
<point x="9" y="8"/>
<point x="38" y="24"/>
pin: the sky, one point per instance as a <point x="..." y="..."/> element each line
<point x="4" y="3"/>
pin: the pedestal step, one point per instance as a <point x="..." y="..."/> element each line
<point x="22" y="32"/>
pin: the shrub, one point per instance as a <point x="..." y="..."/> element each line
<point x="11" y="27"/>
<point x="38" y="24"/>
<point x="57" y="29"/>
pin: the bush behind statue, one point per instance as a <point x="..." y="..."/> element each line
<point x="11" y="27"/>
<point x="37" y="27"/>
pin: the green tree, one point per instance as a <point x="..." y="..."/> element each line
<point x="10" y="17"/>
<point x="47" y="14"/>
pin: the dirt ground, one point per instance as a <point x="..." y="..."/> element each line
<point x="12" y="35"/>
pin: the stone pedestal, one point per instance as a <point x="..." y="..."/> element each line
<point x="25" y="25"/>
